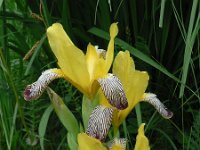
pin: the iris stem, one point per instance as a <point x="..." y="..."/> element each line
<point x="138" y="114"/>
<point x="87" y="107"/>
<point x="116" y="132"/>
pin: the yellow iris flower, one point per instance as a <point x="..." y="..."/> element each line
<point x="134" y="83"/>
<point x="87" y="142"/>
<point x="82" y="70"/>
<point x="79" y="68"/>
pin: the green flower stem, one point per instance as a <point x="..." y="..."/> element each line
<point x="87" y="106"/>
<point x="138" y="114"/>
<point x="116" y="132"/>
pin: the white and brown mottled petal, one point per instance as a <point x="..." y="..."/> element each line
<point x="113" y="91"/>
<point x="100" y="122"/>
<point x="35" y="90"/>
<point x="158" y="105"/>
<point x="121" y="142"/>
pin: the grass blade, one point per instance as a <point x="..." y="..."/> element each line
<point x="162" y="10"/>
<point x="168" y="138"/>
<point x="188" y="48"/>
<point x="35" y="54"/>
<point x="43" y="125"/>
<point x="64" y="114"/>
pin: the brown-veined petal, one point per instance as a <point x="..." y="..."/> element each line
<point x="35" y="90"/>
<point x="113" y="91"/>
<point x="99" y="122"/>
<point x="158" y="105"/>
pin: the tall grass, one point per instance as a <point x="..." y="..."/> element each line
<point x="162" y="36"/>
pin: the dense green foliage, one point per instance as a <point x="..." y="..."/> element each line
<point x="162" y="36"/>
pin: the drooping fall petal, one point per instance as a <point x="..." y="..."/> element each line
<point x="35" y="90"/>
<point x="86" y="142"/>
<point x="99" y="122"/>
<point x="142" y="142"/>
<point x="113" y="91"/>
<point x="71" y="60"/>
<point x="158" y="105"/>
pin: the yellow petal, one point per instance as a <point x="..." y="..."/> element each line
<point x="95" y="66"/>
<point x="142" y="142"/>
<point x="102" y="99"/>
<point x="86" y="142"/>
<point x="116" y="147"/>
<point x="110" y="49"/>
<point x="117" y="144"/>
<point x="71" y="60"/>
<point x="134" y="83"/>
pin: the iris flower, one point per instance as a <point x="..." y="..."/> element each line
<point x="134" y="83"/>
<point x="85" y="71"/>
<point x="98" y="127"/>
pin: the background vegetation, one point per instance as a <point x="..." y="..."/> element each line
<point x="162" y="36"/>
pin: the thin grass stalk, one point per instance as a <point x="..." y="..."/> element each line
<point x="188" y="48"/>
<point x="138" y="114"/>
<point x="45" y="12"/>
<point x="35" y="54"/>
<point x="179" y="22"/>
<point x="4" y="30"/>
<point x="13" y="123"/>
<point x="10" y="82"/>
<point x="162" y="10"/>
<point x="126" y="133"/>
<point x="4" y="128"/>
<point x="168" y="138"/>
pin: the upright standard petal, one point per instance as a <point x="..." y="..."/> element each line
<point x="133" y="81"/>
<point x="142" y="142"/>
<point x="95" y="66"/>
<point x="110" y="49"/>
<point x="71" y="60"/>
<point x="86" y="142"/>
<point x="95" y="63"/>
<point x="99" y="61"/>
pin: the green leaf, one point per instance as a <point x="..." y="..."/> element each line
<point x="189" y="46"/>
<point x="1" y="1"/>
<point x="64" y="114"/>
<point x="43" y="125"/>
<point x="70" y="140"/>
